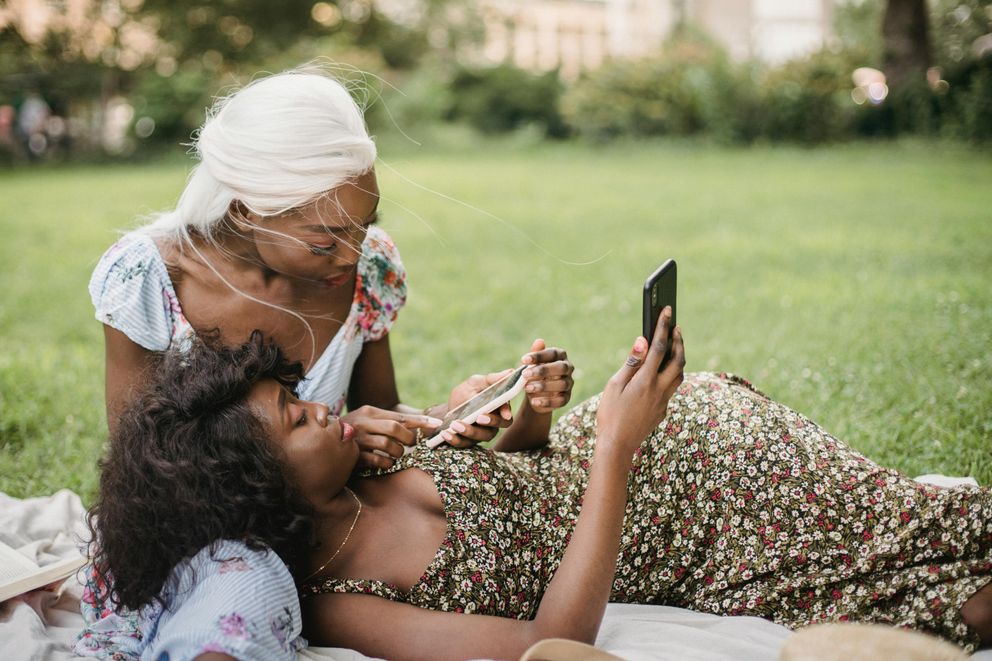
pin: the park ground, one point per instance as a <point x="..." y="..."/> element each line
<point x="850" y="282"/>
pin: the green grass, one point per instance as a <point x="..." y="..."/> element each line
<point x="852" y="283"/>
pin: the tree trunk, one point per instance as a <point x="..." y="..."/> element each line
<point x="906" y="36"/>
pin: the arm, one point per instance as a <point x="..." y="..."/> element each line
<point x="127" y="366"/>
<point x="574" y="602"/>
<point x="373" y="381"/>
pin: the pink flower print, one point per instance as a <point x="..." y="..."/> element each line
<point x="233" y="625"/>
<point x="171" y="302"/>
<point x="233" y="564"/>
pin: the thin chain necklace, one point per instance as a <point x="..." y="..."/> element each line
<point x="346" y="537"/>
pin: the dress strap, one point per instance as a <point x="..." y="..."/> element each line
<point x="352" y="586"/>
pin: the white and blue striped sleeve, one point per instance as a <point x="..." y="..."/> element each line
<point x="234" y="600"/>
<point x="132" y="292"/>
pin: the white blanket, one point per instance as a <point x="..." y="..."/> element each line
<point x="43" y="625"/>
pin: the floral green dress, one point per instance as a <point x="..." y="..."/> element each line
<point x="737" y="505"/>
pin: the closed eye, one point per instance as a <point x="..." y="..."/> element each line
<point x="324" y="250"/>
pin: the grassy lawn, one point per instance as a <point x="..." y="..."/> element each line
<point x="852" y="283"/>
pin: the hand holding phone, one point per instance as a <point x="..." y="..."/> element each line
<point x="659" y="291"/>
<point x="486" y="401"/>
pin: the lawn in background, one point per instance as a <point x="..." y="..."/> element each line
<point x="851" y="282"/>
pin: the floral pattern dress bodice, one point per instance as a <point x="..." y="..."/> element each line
<point x="509" y="518"/>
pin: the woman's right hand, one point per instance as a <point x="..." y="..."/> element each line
<point x="636" y="398"/>
<point x="381" y="435"/>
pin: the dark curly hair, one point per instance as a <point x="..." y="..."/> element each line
<point x="189" y="464"/>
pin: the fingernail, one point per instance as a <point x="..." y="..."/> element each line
<point x="447" y="435"/>
<point x="433" y="421"/>
<point x="527" y="359"/>
<point x="458" y="427"/>
<point x="640" y="345"/>
<point x="483" y="419"/>
<point x="531" y="387"/>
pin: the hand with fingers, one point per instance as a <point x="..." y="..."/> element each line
<point x="381" y="434"/>
<point x="487" y="425"/>
<point x="636" y="398"/>
<point x="549" y="380"/>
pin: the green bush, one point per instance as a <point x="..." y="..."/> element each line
<point x="503" y="98"/>
<point x="177" y="103"/>
<point x="808" y="100"/>
<point x="976" y="104"/>
<point x="669" y="94"/>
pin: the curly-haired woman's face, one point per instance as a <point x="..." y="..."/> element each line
<point x="319" y="448"/>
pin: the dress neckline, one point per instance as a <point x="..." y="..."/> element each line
<point x="444" y="548"/>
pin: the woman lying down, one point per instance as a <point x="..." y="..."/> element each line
<point x="230" y="517"/>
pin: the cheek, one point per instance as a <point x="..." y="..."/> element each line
<point x="317" y="463"/>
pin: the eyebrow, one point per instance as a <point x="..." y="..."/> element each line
<point x="371" y="218"/>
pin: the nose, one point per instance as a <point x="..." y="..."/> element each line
<point x="321" y="413"/>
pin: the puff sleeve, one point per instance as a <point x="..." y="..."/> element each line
<point x="234" y="600"/>
<point x="382" y="285"/>
<point x="132" y="292"/>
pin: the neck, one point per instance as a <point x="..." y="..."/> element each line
<point x="335" y="512"/>
<point x="336" y="521"/>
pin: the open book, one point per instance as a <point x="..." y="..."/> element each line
<point x="18" y="574"/>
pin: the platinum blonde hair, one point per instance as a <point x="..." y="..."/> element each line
<point x="278" y="143"/>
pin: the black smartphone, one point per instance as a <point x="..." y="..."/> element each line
<point x="659" y="291"/>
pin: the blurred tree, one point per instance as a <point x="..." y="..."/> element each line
<point x="906" y="37"/>
<point x="170" y="55"/>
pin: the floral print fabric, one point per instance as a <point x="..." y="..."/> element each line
<point x="737" y="505"/>
<point x="232" y="599"/>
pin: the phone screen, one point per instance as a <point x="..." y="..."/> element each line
<point x="491" y="393"/>
<point x="659" y="291"/>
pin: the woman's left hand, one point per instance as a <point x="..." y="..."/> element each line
<point x="549" y="379"/>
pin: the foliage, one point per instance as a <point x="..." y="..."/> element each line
<point x="808" y="100"/>
<point x="661" y="95"/>
<point x="502" y="98"/>
<point x="976" y="104"/>
<point x="955" y="27"/>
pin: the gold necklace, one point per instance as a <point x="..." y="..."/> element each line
<point x="346" y="537"/>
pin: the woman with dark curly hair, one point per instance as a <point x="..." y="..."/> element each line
<point x="733" y="505"/>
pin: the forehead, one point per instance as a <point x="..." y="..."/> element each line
<point x="263" y="399"/>
<point x="352" y="202"/>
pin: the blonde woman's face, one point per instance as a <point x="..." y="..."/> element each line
<point x="321" y="241"/>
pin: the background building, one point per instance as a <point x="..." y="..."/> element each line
<point x="579" y="34"/>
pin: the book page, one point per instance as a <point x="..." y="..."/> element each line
<point x="19" y="574"/>
<point x="13" y="565"/>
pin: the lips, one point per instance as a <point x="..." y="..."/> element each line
<point x="339" y="280"/>
<point x="347" y="432"/>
